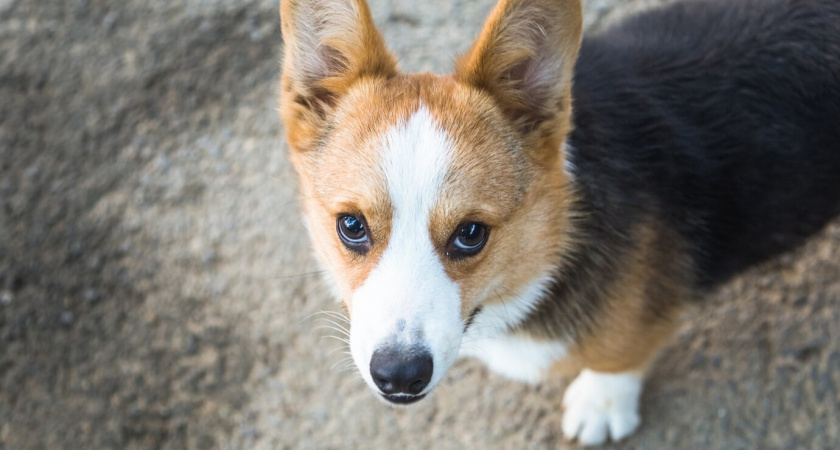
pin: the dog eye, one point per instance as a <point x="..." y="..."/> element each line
<point x="467" y="240"/>
<point x="353" y="233"/>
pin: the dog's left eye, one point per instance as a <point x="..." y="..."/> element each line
<point x="467" y="240"/>
<point x="353" y="233"/>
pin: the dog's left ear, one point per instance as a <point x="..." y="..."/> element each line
<point x="330" y="45"/>
<point x="525" y="58"/>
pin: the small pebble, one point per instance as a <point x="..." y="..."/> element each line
<point x="6" y="298"/>
<point x="208" y="256"/>
<point x="91" y="295"/>
<point x="76" y="249"/>
<point x="109" y="21"/>
<point x="250" y="433"/>
<point x="192" y="345"/>
<point x="67" y="318"/>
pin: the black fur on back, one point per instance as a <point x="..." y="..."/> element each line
<point x="723" y="117"/>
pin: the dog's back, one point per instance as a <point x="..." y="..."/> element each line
<point x="725" y="117"/>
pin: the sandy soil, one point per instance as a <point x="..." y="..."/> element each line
<point x="156" y="287"/>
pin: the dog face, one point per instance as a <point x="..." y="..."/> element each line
<point x="429" y="198"/>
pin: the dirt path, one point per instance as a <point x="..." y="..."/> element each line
<point x="156" y="287"/>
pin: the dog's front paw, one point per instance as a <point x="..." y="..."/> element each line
<point x="600" y="405"/>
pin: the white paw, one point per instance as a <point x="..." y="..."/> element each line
<point x="601" y="405"/>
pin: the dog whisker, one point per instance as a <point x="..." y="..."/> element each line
<point x="315" y="289"/>
<point x="332" y="322"/>
<point x="346" y="341"/>
<point x="333" y="351"/>
<point x="331" y="328"/>
<point x="341" y="364"/>
<point x="300" y="275"/>
<point x="337" y="315"/>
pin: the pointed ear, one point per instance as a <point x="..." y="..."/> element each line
<point x="330" y="44"/>
<point x="525" y="58"/>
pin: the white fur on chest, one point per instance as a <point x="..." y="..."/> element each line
<point x="512" y="355"/>
<point x="516" y="357"/>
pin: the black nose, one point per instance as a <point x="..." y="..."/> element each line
<point x="401" y="371"/>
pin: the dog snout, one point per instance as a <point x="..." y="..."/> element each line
<point x="401" y="375"/>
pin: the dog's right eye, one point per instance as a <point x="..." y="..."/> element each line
<point x="353" y="233"/>
<point x="467" y="240"/>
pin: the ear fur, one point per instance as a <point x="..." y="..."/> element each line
<point x="524" y="57"/>
<point x="330" y="44"/>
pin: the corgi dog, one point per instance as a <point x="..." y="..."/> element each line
<point x="557" y="200"/>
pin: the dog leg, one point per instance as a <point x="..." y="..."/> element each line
<point x="603" y="401"/>
<point x="600" y="405"/>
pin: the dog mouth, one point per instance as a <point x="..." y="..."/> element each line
<point x="403" y="399"/>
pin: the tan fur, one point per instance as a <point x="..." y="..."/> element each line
<point x="642" y="308"/>
<point x="501" y="62"/>
<point x="340" y="179"/>
<point x="353" y="48"/>
<point x="515" y="193"/>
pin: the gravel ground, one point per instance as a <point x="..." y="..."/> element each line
<point x="156" y="286"/>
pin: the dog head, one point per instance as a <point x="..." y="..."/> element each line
<point x="430" y="199"/>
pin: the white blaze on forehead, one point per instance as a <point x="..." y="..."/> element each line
<point x="415" y="160"/>
<point x="408" y="300"/>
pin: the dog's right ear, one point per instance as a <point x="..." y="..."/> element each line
<point x="330" y="44"/>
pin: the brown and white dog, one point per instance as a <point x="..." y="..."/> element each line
<point x="464" y="215"/>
